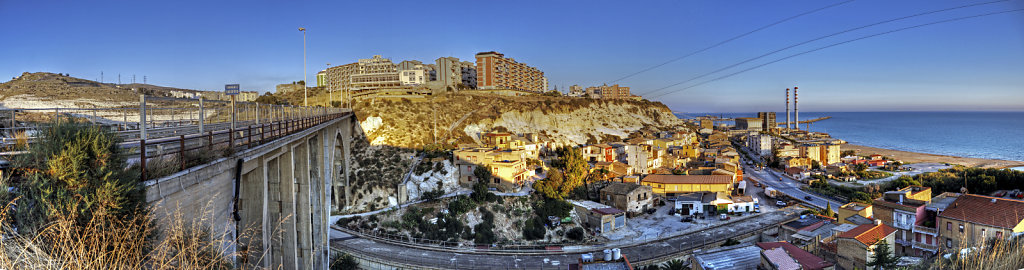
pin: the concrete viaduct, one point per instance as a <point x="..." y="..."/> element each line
<point x="268" y="204"/>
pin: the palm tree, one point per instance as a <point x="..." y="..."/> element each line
<point x="673" y="265"/>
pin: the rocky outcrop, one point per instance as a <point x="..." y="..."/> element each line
<point x="461" y="118"/>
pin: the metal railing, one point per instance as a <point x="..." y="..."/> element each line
<point x="159" y="126"/>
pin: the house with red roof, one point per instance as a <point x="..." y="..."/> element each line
<point x="975" y="218"/>
<point x="855" y="248"/>
<point x="784" y="255"/>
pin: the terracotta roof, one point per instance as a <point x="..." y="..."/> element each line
<point x="688" y="179"/>
<point x="794" y="170"/>
<point x="780" y="259"/>
<point x="623" y="188"/>
<point x="806" y="259"/>
<point x="868" y="234"/>
<point x="986" y="210"/>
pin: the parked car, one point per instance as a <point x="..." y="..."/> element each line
<point x="780" y="203"/>
<point x="687" y="219"/>
<point x="723" y="217"/>
<point x="808" y="198"/>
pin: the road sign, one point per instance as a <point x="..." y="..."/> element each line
<point x="231" y="89"/>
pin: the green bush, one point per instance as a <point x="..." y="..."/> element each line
<point x="74" y="170"/>
<point x="534" y="229"/>
<point x="576" y="234"/>
<point x="460" y="205"/>
<point x="343" y="261"/>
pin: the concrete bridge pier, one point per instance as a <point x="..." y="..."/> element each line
<point x="284" y="197"/>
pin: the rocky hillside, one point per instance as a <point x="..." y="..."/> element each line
<point x="55" y="90"/>
<point x="461" y="118"/>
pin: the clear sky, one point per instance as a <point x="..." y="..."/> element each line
<point x="975" y="64"/>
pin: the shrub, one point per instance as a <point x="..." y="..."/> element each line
<point x="75" y="170"/>
<point x="343" y="261"/>
<point x="576" y="234"/>
<point x="534" y="229"/>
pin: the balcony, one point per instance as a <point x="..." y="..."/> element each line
<point x="902" y="242"/>
<point x="926" y="230"/>
<point x="923" y="246"/>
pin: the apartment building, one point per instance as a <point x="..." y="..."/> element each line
<point x="609" y="92"/>
<point x="901" y="209"/>
<point x="413" y="73"/>
<point x="972" y="219"/>
<point x="767" y="121"/>
<point x="848" y="211"/>
<point x="365" y="75"/>
<point x="494" y="71"/>
<point x="761" y="144"/>
<point x="856" y="247"/>
<point x="507" y="166"/>
<point x="451" y="72"/>
<point x="926" y="230"/>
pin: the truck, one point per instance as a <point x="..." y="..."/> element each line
<point x="770" y="192"/>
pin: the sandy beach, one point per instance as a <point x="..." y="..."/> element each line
<point x="912" y="157"/>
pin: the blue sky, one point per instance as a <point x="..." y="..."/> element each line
<point x="975" y="64"/>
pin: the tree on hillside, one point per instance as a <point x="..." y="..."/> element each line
<point x="576" y="168"/>
<point x="884" y="257"/>
<point x="74" y="170"/>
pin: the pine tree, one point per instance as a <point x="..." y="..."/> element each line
<point x="828" y="210"/>
<point x="884" y="257"/>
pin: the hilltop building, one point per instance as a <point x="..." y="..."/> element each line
<point x="366" y="75"/>
<point x="451" y="73"/>
<point x="609" y="92"/>
<point x="321" y="78"/>
<point x="414" y="73"/>
<point x="494" y="71"/>
<point x="902" y="209"/>
<point x="289" y="87"/>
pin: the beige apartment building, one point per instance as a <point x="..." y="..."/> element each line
<point x="971" y="219"/>
<point x="494" y="71"/>
<point x="367" y="74"/>
<point x="609" y="92"/>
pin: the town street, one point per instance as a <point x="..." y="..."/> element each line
<point x="788" y="186"/>
<point x="448" y="259"/>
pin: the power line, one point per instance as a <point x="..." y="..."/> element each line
<point x="837" y="44"/>
<point x="728" y="40"/>
<point x="820" y="38"/>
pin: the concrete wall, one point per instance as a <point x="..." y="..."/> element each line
<point x="284" y="197"/>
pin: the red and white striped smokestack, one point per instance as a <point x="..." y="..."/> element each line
<point x="788" y="126"/>
<point x="796" y="110"/>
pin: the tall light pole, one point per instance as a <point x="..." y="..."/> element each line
<point x="305" y="91"/>
<point x="330" y="95"/>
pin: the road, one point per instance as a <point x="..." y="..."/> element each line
<point x="448" y="259"/>
<point x="788" y="186"/>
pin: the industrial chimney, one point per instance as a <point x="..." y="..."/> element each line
<point x="787" y="109"/>
<point x="796" y="110"/>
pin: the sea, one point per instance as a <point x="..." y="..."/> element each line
<point x="990" y="135"/>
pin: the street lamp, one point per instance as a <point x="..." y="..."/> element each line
<point x="305" y="91"/>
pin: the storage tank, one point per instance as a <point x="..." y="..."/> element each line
<point x="607" y="255"/>
<point x="616" y="254"/>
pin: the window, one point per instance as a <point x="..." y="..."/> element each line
<point x="961" y="228"/>
<point x="982" y="233"/>
<point x="949" y="226"/>
<point x="999" y="234"/>
<point x="496" y="180"/>
<point x="917" y="237"/>
<point x="949" y="242"/>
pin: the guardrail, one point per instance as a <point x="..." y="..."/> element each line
<point x="161" y="126"/>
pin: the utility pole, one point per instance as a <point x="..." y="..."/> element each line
<point x="305" y="91"/>
<point x="101" y="76"/>
<point x="119" y="79"/>
<point x="144" y="79"/>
